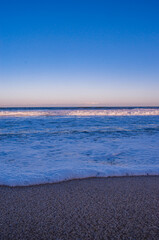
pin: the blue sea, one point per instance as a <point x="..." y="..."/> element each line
<point x="45" y="145"/>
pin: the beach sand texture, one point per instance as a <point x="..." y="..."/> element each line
<point x="94" y="208"/>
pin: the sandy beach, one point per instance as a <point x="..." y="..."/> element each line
<point x="93" y="208"/>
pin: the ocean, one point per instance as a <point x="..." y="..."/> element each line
<point x="45" y="145"/>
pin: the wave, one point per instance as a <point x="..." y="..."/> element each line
<point x="107" y="132"/>
<point x="82" y="112"/>
<point x="52" y="176"/>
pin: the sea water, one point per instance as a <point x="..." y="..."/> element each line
<point x="44" y="145"/>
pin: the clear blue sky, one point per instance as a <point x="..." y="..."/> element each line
<point x="66" y="53"/>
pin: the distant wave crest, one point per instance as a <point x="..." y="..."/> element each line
<point x="82" y="113"/>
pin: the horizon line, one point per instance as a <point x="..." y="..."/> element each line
<point x="87" y="106"/>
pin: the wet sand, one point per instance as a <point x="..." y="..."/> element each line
<point x="93" y="208"/>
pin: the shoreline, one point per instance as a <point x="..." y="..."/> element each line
<point x="123" y="207"/>
<point x="78" y="178"/>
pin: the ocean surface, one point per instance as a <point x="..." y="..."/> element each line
<point x="44" y="145"/>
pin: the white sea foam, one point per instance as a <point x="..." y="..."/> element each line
<point x="83" y="112"/>
<point x="19" y="178"/>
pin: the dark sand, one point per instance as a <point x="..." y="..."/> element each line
<point x="95" y="208"/>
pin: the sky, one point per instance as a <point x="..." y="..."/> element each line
<point x="79" y="53"/>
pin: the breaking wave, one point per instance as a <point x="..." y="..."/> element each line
<point x="81" y="112"/>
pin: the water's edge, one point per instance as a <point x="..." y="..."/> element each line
<point x="82" y="178"/>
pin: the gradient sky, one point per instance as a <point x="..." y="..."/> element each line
<point x="68" y="53"/>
